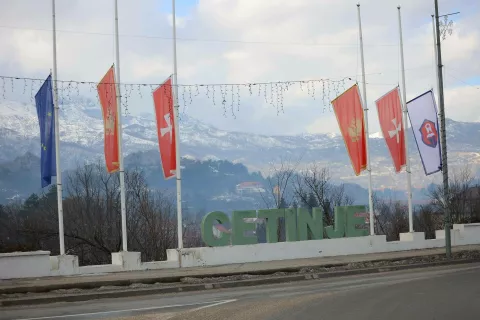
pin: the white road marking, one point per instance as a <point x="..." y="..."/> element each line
<point x="208" y="304"/>
<point x="215" y="304"/>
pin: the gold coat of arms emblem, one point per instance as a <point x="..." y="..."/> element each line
<point x="355" y="129"/>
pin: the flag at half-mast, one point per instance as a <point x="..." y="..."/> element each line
<point x="390" y="116"/>
<point x="46" y="120"/>
<point x="349" y="112"/>
<point x="422" y="112"/>
<point x="107" y="94"/>
<point x="165" y="117"/>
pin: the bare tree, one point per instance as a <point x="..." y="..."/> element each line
<point x="192" y="235"/>
<point x="92" y="224"/>
<point x="391" y="217"/>
<point x="314" y="188"/>
<point x="11" y="221"/>
<point x="92" y="214"/>
<point x="461" y="198"/>
<point x="278" y="193"/>
<point x="151" y="218"/>
<point x="278" y="180"/>
<point x="427" y="220"/>
<point x="155" y="228"/>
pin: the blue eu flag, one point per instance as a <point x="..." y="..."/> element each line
<point x="44" y="104"/>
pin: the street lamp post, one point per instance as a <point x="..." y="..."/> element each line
<point x="446" y="28"/>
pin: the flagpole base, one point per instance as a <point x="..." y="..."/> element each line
<point x="128" y="260"/>
<point x="412" y="236"/>
<point x="64" y="265"/>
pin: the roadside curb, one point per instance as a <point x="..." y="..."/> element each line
<point x="221" y="285"/>
<point x="94" y="284"/>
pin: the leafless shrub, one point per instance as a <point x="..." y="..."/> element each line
<point x="391" y="218"/>
<point x="313" y="188"/>
<point x="463" y="198"/>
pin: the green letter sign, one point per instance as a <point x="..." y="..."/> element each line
<point x="207" y="229"/>
<point x="312" y="223"/>
<point x="240" y="226"/>
<point x="272" y="215"/>
<point x="300" y="225"/>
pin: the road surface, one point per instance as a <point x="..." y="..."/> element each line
<point x="450" y="292"/>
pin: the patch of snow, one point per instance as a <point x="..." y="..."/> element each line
<point x="376" y="135"/>
<point x="210" y="157"/>
<point x="189" y="157"/>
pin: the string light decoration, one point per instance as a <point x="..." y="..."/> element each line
<point x="446" y="27"/>
<point x="127" y="93"/>
<point x="230" y="94"/>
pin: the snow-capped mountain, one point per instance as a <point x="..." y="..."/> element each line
<point x="81" y="134"/>
<point x="81" y="128"/>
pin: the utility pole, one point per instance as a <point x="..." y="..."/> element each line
<point x="443" y="136"/>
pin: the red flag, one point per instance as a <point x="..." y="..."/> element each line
<point x="390" y="115"/>
<point x="349" y="113"/>
<point x="108" y="100"/>
<point x="163" y="101"/>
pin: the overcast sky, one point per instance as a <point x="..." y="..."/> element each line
<point x="239" y="41"/>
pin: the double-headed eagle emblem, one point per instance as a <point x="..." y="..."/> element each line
<point x="355" y="129"/>
<point x="109" y="123"/>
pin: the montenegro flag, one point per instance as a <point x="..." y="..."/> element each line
<point x="108" y="100"/>
<point x="349" y="112"/>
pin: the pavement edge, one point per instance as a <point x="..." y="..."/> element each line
<point x="175" y="279"/>
<point x="222" y="285"/>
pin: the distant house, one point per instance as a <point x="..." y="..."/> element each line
<point x="249" y="187"/>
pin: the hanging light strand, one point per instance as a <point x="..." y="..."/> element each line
<point x="273" y="93"/>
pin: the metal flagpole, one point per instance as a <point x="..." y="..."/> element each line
<point x="177" y="137"/>
<point x="405" y="131"/>
<point x="61" y="235"/>
<point x="369" y="169"/>
<point x="443" y="138"/>
<point x="435" y="53"/>
<point x="120" y="143"/>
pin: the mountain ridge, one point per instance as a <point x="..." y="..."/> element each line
<point x="21" y="177"/>
<point x="81" y="139"/>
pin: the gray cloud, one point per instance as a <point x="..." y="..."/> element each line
<point x="262" y="41"/>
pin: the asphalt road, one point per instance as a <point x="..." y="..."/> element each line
<point x="451" y="292"/>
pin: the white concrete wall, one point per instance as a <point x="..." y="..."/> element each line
<point x="130" y="261"/>
<point x="64" y="265"/>
<point x="40" y="264"/>
<point x="211" y="256"/>
<point x="25" y="264"/>
<point x="155" y="265"/>
<point x="99" y="269"/>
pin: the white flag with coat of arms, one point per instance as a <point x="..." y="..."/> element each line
<point x="422" y="112"/>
